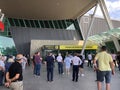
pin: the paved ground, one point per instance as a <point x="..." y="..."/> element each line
<point x="64" y="82"/>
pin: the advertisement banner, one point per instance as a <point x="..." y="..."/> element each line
<point x="1" y="26"/>
<point x="77" y="47"/>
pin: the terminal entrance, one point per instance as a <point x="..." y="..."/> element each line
<point x="71" y="49"/>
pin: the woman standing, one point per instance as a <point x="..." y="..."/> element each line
<point x="67" y="61"/>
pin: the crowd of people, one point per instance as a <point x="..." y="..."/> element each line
<point x="69" y="60"/>
<point x="103" y="63"/>
<point x="11" y="68"/>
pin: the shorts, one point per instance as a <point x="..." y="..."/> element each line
<point x="67" y="67"/>
<point x="104" y="74"/>
<point x="18" y="85"/>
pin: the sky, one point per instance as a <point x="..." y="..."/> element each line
<point x="113" y="7"/>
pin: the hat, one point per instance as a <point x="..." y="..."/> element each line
<point x="19" y="57"/>
<point x="10" y="60"/>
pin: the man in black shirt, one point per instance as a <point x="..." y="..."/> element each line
<point x="50" y="65"/>
<point x="14" y="75"/>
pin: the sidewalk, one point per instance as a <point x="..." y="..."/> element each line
<point x="64" y="82"/>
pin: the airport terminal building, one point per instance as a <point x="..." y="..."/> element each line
<point x="36" y="26"/>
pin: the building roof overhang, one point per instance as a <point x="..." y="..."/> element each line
<point x="46" y="9"/>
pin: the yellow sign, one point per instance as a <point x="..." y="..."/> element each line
<point x="77" y="47"/>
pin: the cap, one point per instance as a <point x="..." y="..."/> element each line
<point x="19" y="57"/>
<point x="10" y="60"/>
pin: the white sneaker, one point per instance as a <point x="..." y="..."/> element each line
<point x="68" y="73"/>
<point x="82" y="75"/>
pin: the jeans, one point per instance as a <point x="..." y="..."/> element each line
<point x="119" y="67"/>
<point x="60" y="67"/>
<point x="34" y="70"/>
<point x="37" y="69"/>
<point x="1" y="77"/>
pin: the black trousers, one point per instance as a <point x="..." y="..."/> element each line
<point x="75" y="73"/>
<point x="89" y="63"/>
<point x="50" y="74"/>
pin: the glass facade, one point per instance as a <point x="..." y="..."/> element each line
<point x="68" y="24"/>
<point x="111" y="47"/>
<point x="7" y="46"/>
<point x="107" y="38"/>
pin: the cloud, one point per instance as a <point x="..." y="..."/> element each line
<point x="113" y="7"/>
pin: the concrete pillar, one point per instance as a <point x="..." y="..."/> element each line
<point x="89" y="30"/>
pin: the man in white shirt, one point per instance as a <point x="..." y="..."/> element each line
<point x="76" y="62"/>
<point x="24" y="62"/>
<point x="60" y="64"/>
<point x="89" y="60"/>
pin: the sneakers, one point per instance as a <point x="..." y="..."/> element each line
<point x="37" y="76"/>
<point x="82" y="75"/>
<point x="50" y="81"/>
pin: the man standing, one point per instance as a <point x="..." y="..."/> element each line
<point x="76" y="62"/>
<point x="38" y="62"/>
<point x="50" y="65"/>
<point x="60" y="63"/>
<point x="104" y="68"/>
<point x="89" y="60"/>
<point x="14" y="75"/>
